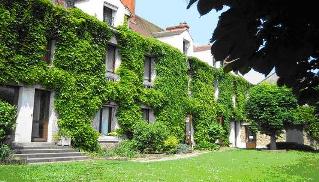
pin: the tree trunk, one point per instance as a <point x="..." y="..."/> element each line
<point x="273" y="145"/>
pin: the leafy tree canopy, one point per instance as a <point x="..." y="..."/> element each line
<point x="269" y="107"/>
<point x="268" y="34"/>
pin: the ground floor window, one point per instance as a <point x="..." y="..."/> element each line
<point x="9" y="94"/>
<point x="106" y="117"/>
<point x="148" y="114"/>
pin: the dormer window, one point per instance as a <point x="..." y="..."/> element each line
<point x="110" y="59"/>
<point x="149" y="71"/>
<point x="50" y="50"/>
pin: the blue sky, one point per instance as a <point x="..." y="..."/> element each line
<point x="166" y="13"/>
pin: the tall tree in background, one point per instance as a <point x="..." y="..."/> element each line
<point x="266" y="34"/>
<point x="269" y="108"/>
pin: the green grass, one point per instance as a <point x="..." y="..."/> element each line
<point x="235" y="165"/>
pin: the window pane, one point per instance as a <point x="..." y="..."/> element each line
<point x="107" y="15"/>
<point x="146" y="114"/>
<point x="50" y="50"/>
<point x="110" y="63"/>
<point x="105" y="119"/>
<point x="147" y="68"/>
<point x="9" y="94"/>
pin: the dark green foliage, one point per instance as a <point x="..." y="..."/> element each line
<point x="269" y="107"/>
<point x="305" y="115"/>
<point x="7" y="120"/>
<point x="267" y="34"/>
<point x="5" y="152"/>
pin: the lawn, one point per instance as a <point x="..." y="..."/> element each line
<point x="235" y="165"/>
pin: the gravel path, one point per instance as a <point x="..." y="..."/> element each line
<point x="157" y="158"/>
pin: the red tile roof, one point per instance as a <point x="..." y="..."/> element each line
<point x="202" y="48"/>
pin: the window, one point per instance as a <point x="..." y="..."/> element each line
<point x="111" y="58"/>
<point x="106" y="119"/>
<point x="148" y="68"/>
<point x="146" y="114"/>
<point x="50" y="50"/>
<point x="185" y="46"/>
<point x="216" y="89"/>
<point x="69" y="3"/>
<point x="9" y="94"/>
<point x="108" y="16"/>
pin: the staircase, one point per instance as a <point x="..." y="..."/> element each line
<point x="46" y="152"/>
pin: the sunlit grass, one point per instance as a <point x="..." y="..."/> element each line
<point x="235" y="165"/>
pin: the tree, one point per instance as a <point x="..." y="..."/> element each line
<point x="305" y="115"/>
<point x="266" y="34"/>
<point x="268" y="107"/>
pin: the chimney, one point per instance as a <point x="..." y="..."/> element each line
<point x="181" y="26"/>
<point x="130" y="4"/>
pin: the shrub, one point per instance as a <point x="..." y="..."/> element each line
<point x="126" y="149"/>
<point x="150" y="138"/>
<point x="171" y="144"/>
<point x="183" y="149"/>
<point x="206" y="145"/>
<point x="5" y="152"/>
<point x="7" y="120"/>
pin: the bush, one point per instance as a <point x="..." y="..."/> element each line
<point x="171" y="144"/>
<point x="183" y="149"/>
<point x="7" y="120"/>
<point x="206" y="145"/>
<point x="126" y="148"/>
<point x="150" y="138"/>
<point x="5" y="152"/>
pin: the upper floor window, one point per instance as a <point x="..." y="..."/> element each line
<point x="149" y="68"/>
<point x="185" y="46"/>
<point x="69" y="3"/>
<point x="108" y="16"/>
<point x="50" y="50"/>
<point x="111" y="58"/>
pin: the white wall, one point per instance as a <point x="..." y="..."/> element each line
<point x="24" y="115"/>
<point x="177" y="41"/>
<point x="95" y="8"/>
<point x="53" y="119"/>
<point x="24" y="120"/>
<point x="205" y="56"/>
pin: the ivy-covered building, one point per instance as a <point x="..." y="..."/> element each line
<point x="87" y="75"/>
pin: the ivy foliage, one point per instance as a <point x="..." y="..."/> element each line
<point x="77" y="77"/>
<point x="212" y="113"/>
<point x="77" y="74"/>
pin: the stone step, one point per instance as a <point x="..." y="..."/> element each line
<point x="42" y="147"/>
<point x="44" y="150"/>
<point x="56" y="159"/>
<point x="47" y="155"/>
